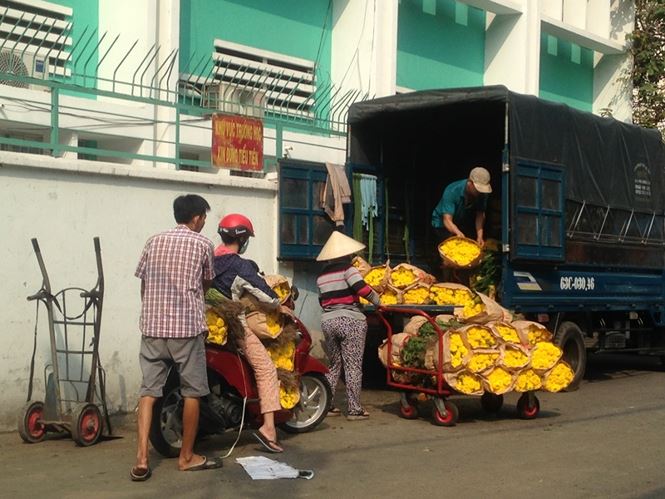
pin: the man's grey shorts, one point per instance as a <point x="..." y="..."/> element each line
<point x="188" y="355"/>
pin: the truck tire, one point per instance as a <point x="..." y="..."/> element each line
<point x="571" y="340"/>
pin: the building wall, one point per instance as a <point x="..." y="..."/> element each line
<point x="64" y="204"/>
<point x="440" y="44"/>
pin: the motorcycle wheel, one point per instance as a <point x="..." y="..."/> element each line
<point x="166" y="425"/>
<point x="314" y="404"/>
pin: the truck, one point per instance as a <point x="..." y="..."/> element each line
<point x="577" y="206"/>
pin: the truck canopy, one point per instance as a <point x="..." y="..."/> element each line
<point x="607" y="163"/>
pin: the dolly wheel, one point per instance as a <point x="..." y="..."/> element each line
<point x="450" y="419"/>
<point x="491" y="403"/>
<point x="30" y="425"/>
<point x="408" y="412"/>
<point x="526" y="411"/>
<point x="86" y="424"/>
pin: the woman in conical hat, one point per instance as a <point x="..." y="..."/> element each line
<point x="343" y="324"/>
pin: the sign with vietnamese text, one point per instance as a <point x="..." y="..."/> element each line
<point x="237" y="142"/>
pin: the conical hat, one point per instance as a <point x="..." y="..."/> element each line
<point x="339" y="245"/>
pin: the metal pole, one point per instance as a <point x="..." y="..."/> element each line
<point x="55" y="122"/>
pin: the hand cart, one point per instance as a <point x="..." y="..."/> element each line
<point x="74" y="373"/>
<point x="444" y="412"/>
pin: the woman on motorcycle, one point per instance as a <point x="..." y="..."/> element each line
<point x="235" y="276"/>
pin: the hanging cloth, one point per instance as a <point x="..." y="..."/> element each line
<point x="368" y="204"/>
<point x="336" y="193"/>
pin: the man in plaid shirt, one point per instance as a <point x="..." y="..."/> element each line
<point x="175" y="268"/>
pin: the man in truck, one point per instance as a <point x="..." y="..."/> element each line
<point x="461" y="210"/>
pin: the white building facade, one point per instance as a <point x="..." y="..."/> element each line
<point x="105" y="113"/>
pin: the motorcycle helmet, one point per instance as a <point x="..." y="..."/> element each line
<point x="236" y="228"/>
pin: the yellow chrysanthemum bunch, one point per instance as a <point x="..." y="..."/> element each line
<point x="558" y="378"/>
<point x="461" y="251"/>
<point x="402" y="277"/>
<point x="528" y="381"/>
<point x="442" y="295"/>
<point x="536" y="335"/>
<point x="458" y="350"/>
<point x="515" y="358"/>
<point x="480" y="337"/>
<point x="376" y="276"/>
<point x="544" y="355"/>
<point x="283" y="290"/>
<point x="499" y="380"/>
<point x="216" y="328"/>
<point x="472" y="309"/>
<point x="479" y="362"/>
<point x="468" y="383"/>
<point x="273" y="323"/>
<point x="508" y="333"/>
<point x="282" y="355"/>
<point x="417" y="295"/>
<point x="288" y="398"/>
<point x="388" y="297"/>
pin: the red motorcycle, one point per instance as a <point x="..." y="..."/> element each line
<point x="231" y="381"/>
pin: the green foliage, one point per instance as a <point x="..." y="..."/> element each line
<point x="648" y="72"/>
<point x="488" y="273"/>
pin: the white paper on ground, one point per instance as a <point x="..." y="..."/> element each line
<point x="263" y="468"/>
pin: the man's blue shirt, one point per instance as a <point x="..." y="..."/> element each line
<point x="452" y="203"/>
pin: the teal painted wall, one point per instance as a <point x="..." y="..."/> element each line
<point x="440" y="44"/>
<point x="566" y="72"/>
<point x="86" y="15"/>
<point x="290" y="27"/>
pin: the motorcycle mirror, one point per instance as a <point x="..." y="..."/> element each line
<point x="294" y="293"/>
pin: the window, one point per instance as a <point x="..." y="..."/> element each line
<point x="538" y="216"/>
<point x="303" y="225"/>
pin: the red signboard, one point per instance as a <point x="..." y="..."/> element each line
<point x="237" y="142"/>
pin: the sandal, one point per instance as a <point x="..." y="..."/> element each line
<point x="362" y="415"/>
<point x="269" y="445"/>
<point x="334" y="411"/>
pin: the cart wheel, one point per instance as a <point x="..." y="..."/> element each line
<point x="491" y="403"/>
<point x="30" y="427"/>
<point x="525" y="411"/>
<point x="86" y="424"/>
<point x="450" y="419"/>
<point x="408" y="412"/>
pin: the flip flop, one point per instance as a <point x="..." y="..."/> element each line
<point x="334" y="412"/>
<point x="139" y="474"/>
<point x="358" y="417"/>
<point x="269" y="445"/>
<point x="207" y="464"/>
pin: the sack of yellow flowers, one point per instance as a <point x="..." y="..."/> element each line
<point x="455" y="354"/>
<point x="558" y="378"/>
<point x="513" y="357"/>
<point x="416" y="294"/>
<point x="533" y="332"/>
<point x="528" y="380"/>
<point x="460" y="252"/>
<point x="289" y="396"/>
<point x="544" y="356"/>
<point x="498" y="380"/>
<point x="397" y="343"/>
<point x="217" y="329"/>
<point x="465" y="382"/>
<point x="405" y="275"/>
<point x="390" y="296"/>
<point x="378" y="277"/>
<point x="507" y="333"/>
<point x="481" y="360"/>
<point x="478" y="337"/>
<point x="361" y="264"/>
<point x="451" y="293"/>
<point x="282" y="354"/>
<point x="485" y="311"/>
<point x="265" y="326"/>
<point x="280" y="285"/>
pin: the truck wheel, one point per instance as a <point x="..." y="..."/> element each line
<point x="571" y="340"/>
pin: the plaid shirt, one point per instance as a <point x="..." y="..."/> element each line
<point x="172" y="267"/>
